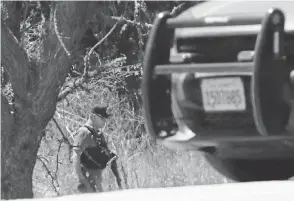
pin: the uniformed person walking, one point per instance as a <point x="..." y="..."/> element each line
<point x="91" y="154"/>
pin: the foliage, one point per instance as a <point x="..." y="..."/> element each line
<point x="127" y="40"/>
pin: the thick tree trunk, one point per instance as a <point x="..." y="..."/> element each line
<point x="19" y="146"/>
<point x="36" y="87"/>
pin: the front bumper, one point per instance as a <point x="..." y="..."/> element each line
<point x="226" y="134"/>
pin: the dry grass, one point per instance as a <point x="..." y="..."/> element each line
<point x="141" y="165"/>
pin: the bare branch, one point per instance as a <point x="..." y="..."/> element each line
<point x="71" y="88"/>
<point x="70" y="146"/>
<point x="176" y="10"/>
<point x="92" y="50"/>
<point x="57" y="158"/>
<point x="70" y="23"/>
<point x="43" y="158"/>
<point x="59" y="37"/>
<point x="86" y="75"/>
<point x="131" y="22"/>
<point x="49" y="173"/>
<point x="103" y="39"/>
<point x="63" y="135"/>
<point x="78" y="83"/>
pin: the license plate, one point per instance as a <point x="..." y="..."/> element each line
<point x="223" y="94"/>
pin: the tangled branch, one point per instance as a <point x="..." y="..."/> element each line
<point x="58" y="34"/>
<point x="140" y="26"/>
<point x="92" y="50"/>
<point x="123" y="20"/>
<point x="66" y="140"/>
<point x="63" y="135"/>
<point x="53" y="178"/>
<point x="80" y="81"/>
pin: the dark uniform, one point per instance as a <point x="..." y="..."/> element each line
<point x="93" y="155"/>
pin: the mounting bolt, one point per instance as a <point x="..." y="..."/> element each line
<point x="186" y="56"/>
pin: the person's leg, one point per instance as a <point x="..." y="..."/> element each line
<point x="86" y="186"/>
<point x="96" y="177"/>
<point x="82" y="188"/>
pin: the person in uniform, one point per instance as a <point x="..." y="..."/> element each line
<point x="91" y="154"/>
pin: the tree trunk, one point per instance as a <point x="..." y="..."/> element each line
<point x="36" y="87"/>
<point x="19" y="144"/>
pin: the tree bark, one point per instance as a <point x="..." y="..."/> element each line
<point x="36" y="86"/>
<point x="13" y="16"/>
<point x="19" y="147"/>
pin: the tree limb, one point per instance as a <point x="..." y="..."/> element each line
<point x="70" y="23"/>
<point x="71" y="88"/>
<point x="63" y="135"/>
<point x="16" y="62"/>
<point x="78" y="83"/>
<point x="86" y="64"/>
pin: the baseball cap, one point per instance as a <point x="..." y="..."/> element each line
<point x="100" y="110"/>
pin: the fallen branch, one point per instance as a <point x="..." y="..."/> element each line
<point x="49" y="173"/>
<point x="70" y="146"/>
<point x="57" y="158"/>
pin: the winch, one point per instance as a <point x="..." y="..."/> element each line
<point x="217" y="79"/>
